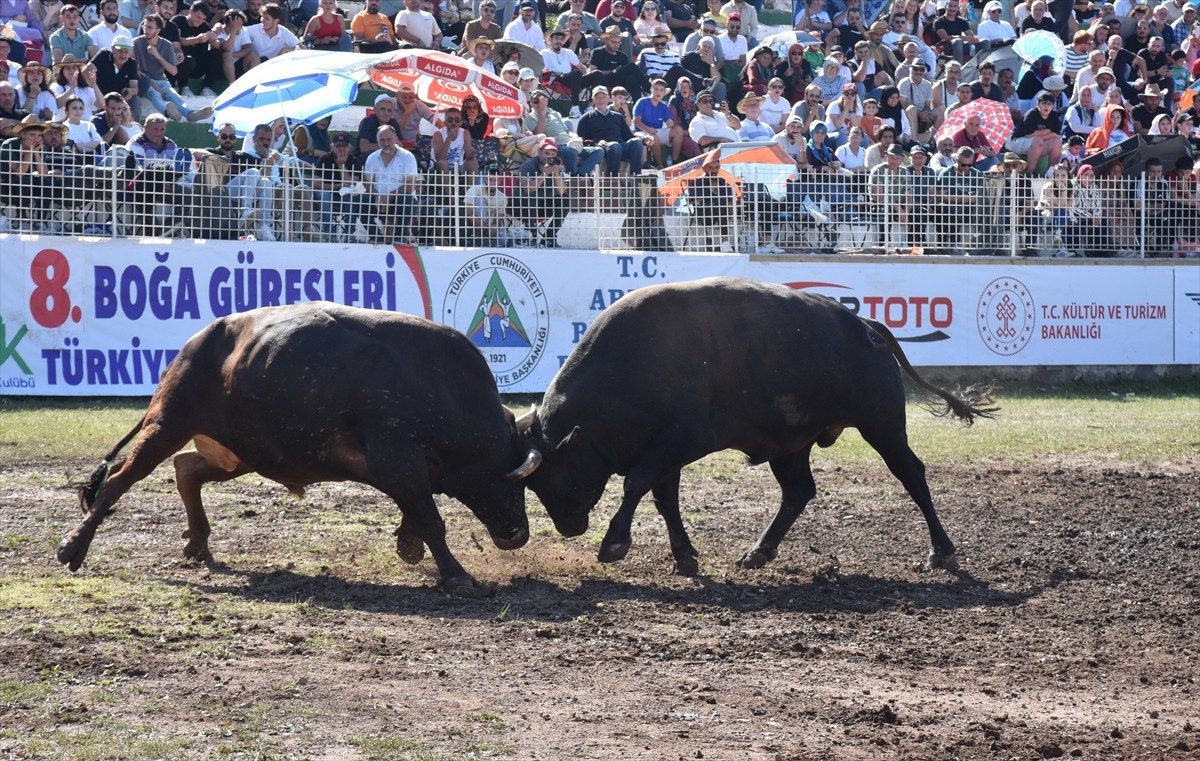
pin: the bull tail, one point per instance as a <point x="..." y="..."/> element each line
<point x="91" y="487"/>
<point x="972" y="402"/>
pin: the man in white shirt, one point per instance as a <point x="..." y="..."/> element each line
<point x="390" y="175"/>
<point x="271" y="39"/>
<point x="710" y="128"/>
<point x="418" y="27"/>
<point x="734" y="48"/>
<point x="748" y="16"/>
<point x="524" y="29"/>
<point x="102" y="34"/>
<point x="916" y="96"/>
<point x="564" y="64"/>
<point x="994" y="27"/>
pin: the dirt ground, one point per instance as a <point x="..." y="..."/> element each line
<point x="1072" y="629"/>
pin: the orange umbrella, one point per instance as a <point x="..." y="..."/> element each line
<point x="444" y="80"/>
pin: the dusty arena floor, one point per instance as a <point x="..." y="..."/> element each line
<point x="1072" y="630"/>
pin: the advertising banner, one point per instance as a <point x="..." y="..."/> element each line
<point x="104" y="317"/>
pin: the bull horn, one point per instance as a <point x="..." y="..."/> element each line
<point x="532" y="461"/>
<point x="526" y="421"/>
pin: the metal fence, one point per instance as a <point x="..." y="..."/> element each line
<point x="749" y="210"/>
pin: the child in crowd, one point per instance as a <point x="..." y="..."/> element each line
<point x="870" y="121"/>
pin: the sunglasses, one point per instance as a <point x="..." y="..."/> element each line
<point x="226" y="137"/>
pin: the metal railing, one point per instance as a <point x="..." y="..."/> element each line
<point x="761" y="211"/>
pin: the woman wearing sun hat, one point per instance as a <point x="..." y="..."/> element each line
<point x="75" y="79"/>
<point x="34" y="94"/>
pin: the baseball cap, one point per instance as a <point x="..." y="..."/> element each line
<point x="381" y="97"/>
<point x="549" y="145"/>
<point x="734" y="17"/>
<point x="919" y="149"/>
<point x="122" y="41"/>
<point x="600" y="89"/>
<point x="340" y="138"/>
<point x="527" y="74"/>
<point x="511" y="66"/>
<point x="895" y="150"/>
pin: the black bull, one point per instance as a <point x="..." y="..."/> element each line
<point x="319" y="392"/>
<point x="672" y="373"/>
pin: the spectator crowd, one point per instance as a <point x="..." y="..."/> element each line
<point x="864" y="108"/>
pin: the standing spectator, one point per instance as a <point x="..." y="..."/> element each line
<point x="419" y="27"/>
<point x="336" y="182"/>
<point x="70" y="39"/>
<point x="390" y="176"/>
<point x="1086" y="231"/>
<point x="327" y="29"/>
<point x="712" y="200"/>
<point x="1153" y="197"/>
<point x="712" y="126"/>
<point x="524" y="28"/>
<point x="1039" y="133"/>
<point x="606" y="129"/>
<point x="544" y="191"/>
<point x="270" y="38"/>
<point x="156" y="61"/>
<point x="959" y="190"/>
<point x="372" y="31"/>
<point x="917" y="181"/>
<point x="199" y="42"/>
<point x="887" y="191"/>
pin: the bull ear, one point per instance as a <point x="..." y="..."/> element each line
<point x="532" y="461"/>
<point x="567" y="439"/>
<point x="526" y="421"/>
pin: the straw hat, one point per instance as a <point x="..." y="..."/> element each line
<point x="23" y="74"/>
<point x="29" y="122"/>
<point x="1011" y="158"/>
<point x="480" y="41"/>
<point x="1152" y="91"/>
<point x="68" y="60"/>
<point x="880" y="26"/>
<point x="748" y="100"/>
<point x="613" y="31"/>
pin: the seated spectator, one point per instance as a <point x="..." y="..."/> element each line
<point x="711" y="125"/>
<point x="368" y="127"/>
<point x="108" y="25"/>
<point x="71" y="39"/>
<point x="753" y="127"/>
<point x="1114" y="127"/>
<point x="409" y="113"/>
<point x="339" y="190"/>
<point x="891" y="112"/>
<point x="24" y="174"/>
<point x="734" y="49"/>
<point x="10" y="114"/>
<point x="1075" y="59"/>
<point x="775" y="108"/>
<point x="986" y="86"/>
<point x="792" y="141"/>
<point x="475" y="120"/>
<point x="916" y="95"/>
<point x="994" y="28"/>
<point x="1039" y="133"/>
<point x="564" y="65"/>
<point x="1129" y="70"/>
<point x="953" y="34"/>
<point x="620" y="15"/>
<point x="712" y="200"/>
<point x="703" y="67"/>
<point x="543" y="200"/>
<point x="270" y="38"/>
<point x="809" y="109"/>
<point x="75" y="79"/>
<point x="748" y="14"/>
<point x="1182" y="182"/>
<point x="451" y="148"/>
<point x="610" y="67"/>
<point x="648" y="24"/>
<point x="606" y="129"/>
<point x="489" y="222"/>
<point x="1086" y="77"/>
<point x="156" y="61"/>
<point x="419" y="28"/>
<point x="485" y="26"/>
<point x="390" y="176"/>
<point x="885" y="137"/>
<point x="371" y="31"/>
<point x="1142" y="116"/>
<point x="853" y="153"/>
<point x="35" y="95"/>
<point x="943" y="158"/>
<point x="543" y="121"/>
<point x="759" y="71"/>
<point x="108" y="123"/>
<point x="652" y="118"/>
<point x="479" y="53"/>
<point x="80" y="130"/>
<point x="945" y="90"/>
<point x="327" y="30"/>
<point x="524" y="28"/>
<point x="796" y="73"/>
<point x="972" y="136"/>
<point x="200" y="45"/>
<point x="1054" y="204"/>
<point x="659" y="61"/>
<point x="589" y="22"/>
<point x="577" y="40"/>
<point x="683" y="110"/>
<point x="1082" y="117"/>
<point x="161" y="164"/>
<point x="1039" y="19"/>
<point x="830" y="82"/>
<point x="247" y="173"/>
<point x="1156" y="63"/>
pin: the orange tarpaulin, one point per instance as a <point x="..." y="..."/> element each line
<point x="754" y="162"/>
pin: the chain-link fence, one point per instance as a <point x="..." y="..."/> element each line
<point x="749" y="209"/>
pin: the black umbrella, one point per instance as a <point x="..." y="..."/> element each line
<point x="1136" y="151"/>
<point x="1002" y="57"/>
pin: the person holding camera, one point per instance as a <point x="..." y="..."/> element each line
<point x="543" y="199"/>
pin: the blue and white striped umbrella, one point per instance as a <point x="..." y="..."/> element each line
<point x="304" y="98"/>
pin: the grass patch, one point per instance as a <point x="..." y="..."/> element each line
<point x="489" y="721"/>
<point x="105" y="740"/>
<point x="76" y="428"/>
<point x="390" y="747"/>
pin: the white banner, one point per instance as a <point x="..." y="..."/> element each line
<point x="104" y="317"/>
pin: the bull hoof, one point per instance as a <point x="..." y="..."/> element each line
<point x="197" y="551"/>
<point x="611" y="553"/>
<point x="944" y="562"/>
<point x="756" y="558"/>
<point x="687" y="566"/>
<point x="409" y="546"/>
<point x="73" y="549"/>
<point x="466" y="586"/>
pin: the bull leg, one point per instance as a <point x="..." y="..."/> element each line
<point x="193" y="470"/>
<point x="666" y="499"/>
<point x="655" y="468"/>
<point x="794" y="474"/>
<point x="153" y="445"/>
<point x="892" y="445"/>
